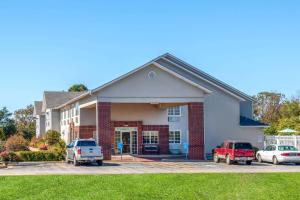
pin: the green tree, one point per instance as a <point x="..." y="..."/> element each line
<point x="78" y="88"/>
<point x="52" y="137"/>
<point x="25" y="122"/>
<point x="7" y="124"/>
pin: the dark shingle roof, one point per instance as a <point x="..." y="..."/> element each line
<point x="244" y="121"/>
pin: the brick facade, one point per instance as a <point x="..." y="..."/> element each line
<point x="163" y="136"/>
<point x="196" y="131"/>
<point x="105" y="128"/>
<point x="85" y="132"/>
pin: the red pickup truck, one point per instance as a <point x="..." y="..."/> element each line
<point x="233" y="151"/>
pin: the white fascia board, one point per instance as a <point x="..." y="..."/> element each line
<point x="182" y="78"/>
<point x="204" y="79"/>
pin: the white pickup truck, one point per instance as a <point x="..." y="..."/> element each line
<point x="84" y="151"/>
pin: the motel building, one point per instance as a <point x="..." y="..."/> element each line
<point x="161" y="108"/>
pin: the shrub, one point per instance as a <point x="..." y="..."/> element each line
<point x="52" y="137"/>
<point x="34" y="142"/>
<point x="41" y="156"/>
<point x="6" y="156"/>
<point x="58" y="147"/>
<point x="16" y="143"/>
<point x="2" y="146"/>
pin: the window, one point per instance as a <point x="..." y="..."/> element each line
<point x="150" y="137"/>
<point x="287" y="148"/>
<point x="86" y="143"/>
<point x="174" y="111"/>
<point x="77" y="109"/>
<point x="242" y="146"/>
<point x="174" y="137"/>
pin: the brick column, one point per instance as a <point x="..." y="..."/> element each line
<point x="104" y="128"/>
<point x="196" y="131"/>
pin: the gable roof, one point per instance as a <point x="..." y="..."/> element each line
<point x="38" y="105"/>
<point x="177" y="63"/>
<point x="191" y="70"/>
<point x="53" y="99"/>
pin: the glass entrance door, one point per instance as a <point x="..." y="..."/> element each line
<point x="128" y="136"/>
<point x="126" y="142"/>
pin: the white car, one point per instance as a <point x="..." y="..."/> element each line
<point x="279" y="154"/>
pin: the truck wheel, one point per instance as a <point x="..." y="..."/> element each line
<point x="216" y="158"/>
<point x="259" y="158"/>
<point x="100" y="162"/>
<point x="228" y="161"/>
<point x="75" y="162"/>
<point x="249" y="162"/>
<point x="275" y="161"/>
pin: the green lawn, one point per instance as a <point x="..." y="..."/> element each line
<point x="160" y="186"/>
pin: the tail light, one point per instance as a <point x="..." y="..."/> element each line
<point x="285" y="154"/>
<point x="298" y="154"/>
<point x="79" y="151"/>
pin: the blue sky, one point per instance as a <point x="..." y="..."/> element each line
<point x="49" y="45"/>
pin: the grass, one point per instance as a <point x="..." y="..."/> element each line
<point x="148" y="186"/>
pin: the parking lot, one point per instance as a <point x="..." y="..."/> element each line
<point x="113" y="167"/>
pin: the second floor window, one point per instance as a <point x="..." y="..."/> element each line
<point x="174" y="111"/>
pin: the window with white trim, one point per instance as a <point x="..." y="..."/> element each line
<point x="150" y="137"/>
<point x="174" y="111"/>
<point x="174" y="137"/>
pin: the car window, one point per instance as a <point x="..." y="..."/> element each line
<point x="268" y="148"/>
<point x="287" y="148"/>
<point x="71" y="144"/>
<point x="86" y="143"/>
<point x="242" y="146"/>
<point x="273" y="148"/>
<point x="230" y="145"/>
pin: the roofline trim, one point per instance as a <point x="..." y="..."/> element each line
<point x="182" y="78"/>
<point x="220" y="82"/>
<point x="204" y="79"/>
<point x="73" y="100"/>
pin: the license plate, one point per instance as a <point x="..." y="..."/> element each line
<point x="293" y="154"/>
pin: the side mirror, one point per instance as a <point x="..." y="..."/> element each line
<point x="69" y="146"/>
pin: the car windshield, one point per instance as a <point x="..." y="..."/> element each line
<point x="287" y="148"/>
<point x="86" y="143"/>
<point x="242" y="146"/>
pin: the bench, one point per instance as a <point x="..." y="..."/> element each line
<point x="151" y="149"/>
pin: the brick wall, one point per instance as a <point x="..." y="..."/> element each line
<point x="105" y="128"/>
<point x="163" y="136"/>
<point x="85" y="132"/>
<point x="196" y="131"/>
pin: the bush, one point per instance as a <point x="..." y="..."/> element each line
<point x="41" y="156"/>
<point x="6" y="156"/>
<point x="16" y="143"/>
<point x="52" y="137"/>
<point x="2" y="146"/>
<point x="58" y="147"/>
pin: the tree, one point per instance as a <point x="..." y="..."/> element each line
<point x="4" y="116"/>
<point x="7" y="124"/>
<point x="52" y="137"/>
<point x="267" y="106"/>
<point x="78" y="88"/>
<point x="25" y="122"/>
